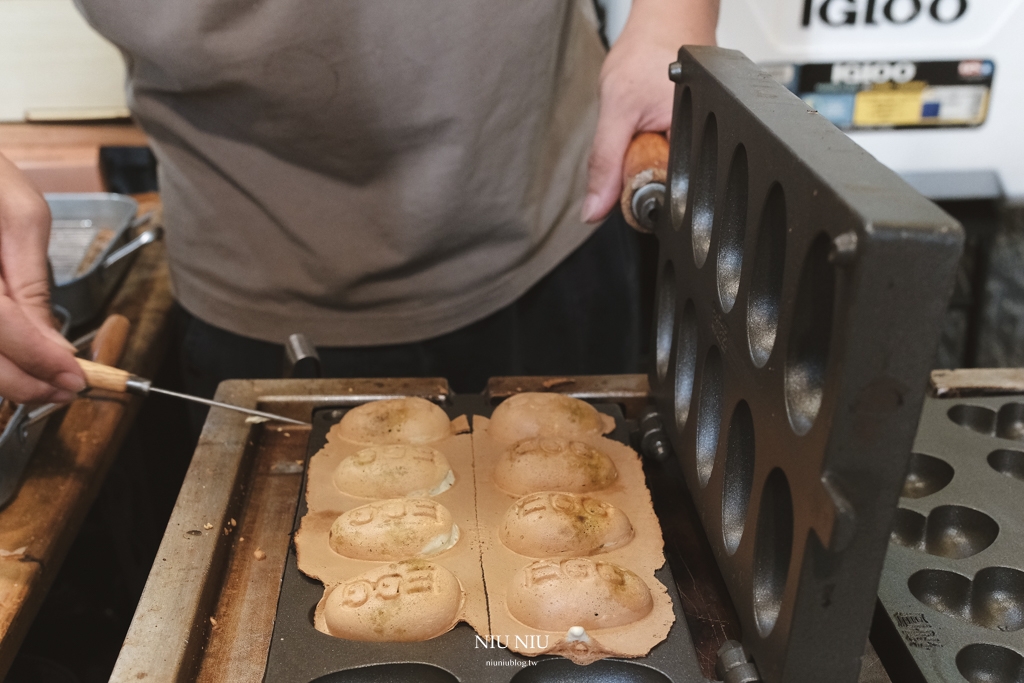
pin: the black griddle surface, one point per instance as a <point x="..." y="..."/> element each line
<point x="301" y="654"/>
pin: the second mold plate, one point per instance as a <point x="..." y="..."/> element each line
<point x="952" y="591"/>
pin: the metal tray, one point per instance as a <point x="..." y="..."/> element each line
<point x="301" y="654"/>
<point x="952" y="591"/>
<point x="76" y="220"/>
<point x="21" y="434"/>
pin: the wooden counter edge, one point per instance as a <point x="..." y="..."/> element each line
<point x="43" y="135"/>
<point x="977" y="382"/>
<point x="68" y="468"/>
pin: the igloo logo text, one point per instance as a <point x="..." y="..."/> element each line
<point x="838" y="13"/>
<point x="863" y="73"/>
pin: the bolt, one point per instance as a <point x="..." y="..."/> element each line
<point x="657" y="447"/>
<point x="675" y="71"/>
<point x="734" y="665"/>
<point x="744" y="673"/>
<point x="646" y="205"/>
<point x="653" y="441"/>
<point x="844" y="249"/>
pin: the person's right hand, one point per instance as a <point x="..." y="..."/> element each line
<point x="37" y="365"/>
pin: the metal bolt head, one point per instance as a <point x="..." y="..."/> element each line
<point x="675" y="72"/>
<point x="301" y="358"/>
<point x="656" y="446"/>
<point x="844" y="249"/>
<point x="730" y="655"/>
<point x="744" y="673"/>
<point x="647" y="203"/>
<point x="734" y="665"/>
<point x="654" y="442"/>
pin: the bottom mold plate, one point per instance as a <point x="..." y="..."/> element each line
<point x="301" y="654"/>
<point x="951" y="600"/>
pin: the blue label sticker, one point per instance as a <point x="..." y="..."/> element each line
<point x="882" y="94"/>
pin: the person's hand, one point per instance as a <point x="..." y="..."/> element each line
<point x="635" y="91"/>
<point x="37" y="364"/>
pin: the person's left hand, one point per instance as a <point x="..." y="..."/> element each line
<point x="635" y="90"/>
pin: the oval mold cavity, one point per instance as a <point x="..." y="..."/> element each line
<point x="943" y="591"/>
<point x="1010" y="422"/>
<point x="601" y="671"/>
<point x="733" y="230"/>
<point x="709" y="414"/>
<point x="773" y="548"/>
<point x="976" y="418"/>
<point x="686" y="363"/>
<point x="994" y="599"/>
<point x="702" y="216"/>
<point x="390" y="673"/>
<point x="766" y="282"/>
<point x="739" y="475"/>
<point x="665" y="310"/>
<point x="908" y="529"/>
<point x="679" y="158"/>
<point x="985" y="663"/>
<point x="810" y="334"/>
<point x="1008" y="462"/>
<point x="925" y="476"/>
<point x="951" y="531"/>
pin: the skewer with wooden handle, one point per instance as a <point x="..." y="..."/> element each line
<point x="644" y="175"/>
<point x="106" y="345"/>
<point x="99" y="376"/>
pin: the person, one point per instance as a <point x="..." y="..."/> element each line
<point x="417" y="187"/>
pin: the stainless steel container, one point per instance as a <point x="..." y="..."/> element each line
<point x="78" y="218"/>
<point x="22" y="432"/>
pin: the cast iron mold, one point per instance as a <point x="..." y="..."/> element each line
<point x="953" y="585"/>
<point x="810" y="285"/>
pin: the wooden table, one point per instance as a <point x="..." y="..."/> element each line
<point x="65" y="157"/>
<point x="65" y="474"/>
<point x="42" y="135"/>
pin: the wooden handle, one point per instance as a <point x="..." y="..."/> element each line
<point x="109" y="342"/>
<point x="646" y="162"/>
<point x="99" y="376"/>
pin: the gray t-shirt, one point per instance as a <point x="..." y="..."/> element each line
<point x="363" y="172"/>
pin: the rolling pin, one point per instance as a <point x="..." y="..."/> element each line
<point x="99" y="376"/>
<point x="644" y="174"/>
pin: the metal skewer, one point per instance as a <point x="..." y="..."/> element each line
<point x="218" y="404"/>
<point x="114" y="379"/>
